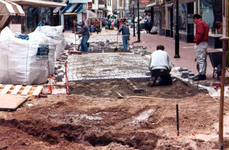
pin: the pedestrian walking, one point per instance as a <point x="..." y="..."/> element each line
<point x="97" y="26"/>
<point x="146" y="26"/>
<point x="125" y="34"/>
<point x="109" y="24"/>
<point x="118" y="24"/>
<point x="160" y="67"/>
<point x="201" y="44"/>
<point x="85" y="33"/>
<point x="150" y="25"/>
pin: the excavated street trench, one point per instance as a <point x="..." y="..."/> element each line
<point x="95" y="117"/>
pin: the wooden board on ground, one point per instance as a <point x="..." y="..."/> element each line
<point x="31" y="91"/>
<point x="74" y="52"/>
<point x="11" y="102"/>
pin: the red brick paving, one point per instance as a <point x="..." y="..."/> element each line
<point x="186" y="51"/>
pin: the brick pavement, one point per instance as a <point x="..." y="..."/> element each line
<point x="186" y="51"/>
<point x="187" y="54"/>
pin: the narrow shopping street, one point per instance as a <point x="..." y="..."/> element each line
<point x="110" y="106"/>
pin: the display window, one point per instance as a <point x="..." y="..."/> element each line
<point x="211" y="12"/>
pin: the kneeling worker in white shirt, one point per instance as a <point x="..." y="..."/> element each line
<point x="160" y="67"/>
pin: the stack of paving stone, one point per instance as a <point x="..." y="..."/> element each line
<point x="59" y="72"/>
<point x="186" y="74"/>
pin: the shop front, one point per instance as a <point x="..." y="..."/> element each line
<point x="35" y="11"/>
<point x="156" y="13"/>
<point x="186" y="25"/>
<point x="169" y="24"/>
<point x="211" y="12"/>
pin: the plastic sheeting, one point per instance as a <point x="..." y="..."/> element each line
<point x="25" y="62"/>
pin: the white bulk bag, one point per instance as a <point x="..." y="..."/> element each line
<point x="20" y="61"/>
<point x="56" y="33"/>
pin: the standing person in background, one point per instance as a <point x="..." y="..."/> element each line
<point x="150" y="25"/>
<point x="112" y="24"/>
<point x="76" y="25"/>
<point x="42" y="23"/>
<point x="146" y="26"/>
<point x="201" y="44"/>
<point x="85" y="33"/>
<point x="97" y="26"/>
<point x="125" y="34"/>
<point x="109" y="24"/>
<point x="118" y="24"/>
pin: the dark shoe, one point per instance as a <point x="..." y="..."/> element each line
<point x="157" y="80"/>
<point x="152" y="81"/>
<point x="199" y="77"/>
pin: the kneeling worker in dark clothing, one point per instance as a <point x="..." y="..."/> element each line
<point x="160" y="66"/>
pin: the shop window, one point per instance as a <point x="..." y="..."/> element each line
<point x="68" y="19"/>
<point x="157" y="13"/>
<point x="182" y="19"/>
<point x="163" y="17"/>
<point x="211" y="12"/>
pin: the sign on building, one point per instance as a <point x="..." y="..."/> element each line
<point x="144" y="1"/>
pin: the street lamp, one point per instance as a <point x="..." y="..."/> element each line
<point x="138" y="24"/>
<point x="133" y="3"/>
<point x="177" y="31"/>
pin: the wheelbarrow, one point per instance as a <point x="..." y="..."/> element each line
<point x="216" y="61"/>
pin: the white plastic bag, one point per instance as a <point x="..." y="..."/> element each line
<point x="78" y="42"/>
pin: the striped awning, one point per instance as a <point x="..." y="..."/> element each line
<point x="79" y="8"/>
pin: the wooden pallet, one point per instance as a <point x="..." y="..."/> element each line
<point x="31" y="91"/>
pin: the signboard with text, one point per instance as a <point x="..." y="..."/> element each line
<point x="144" y="1"/>
<point x="89" y="4"/>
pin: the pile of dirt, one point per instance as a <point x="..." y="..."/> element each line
<point x="101" y="121"/>
<point x="79" y="122"/>
<point x="109" y="88"/>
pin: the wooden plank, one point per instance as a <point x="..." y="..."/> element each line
<point x="11" y="102"/>
<point x="38" y="91"/>
<point x="26" y="90"/>
<point x="6" y="89"/>
<point x="16" y="89"/>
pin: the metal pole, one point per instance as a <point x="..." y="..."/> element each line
<point x="225" y="39"/>
<point x="221" y="108"/>
<point x="138" y="24"/>
<point x="177" y="31"/>
<point x="177" y="112"/>
<point x="134" y="21"/>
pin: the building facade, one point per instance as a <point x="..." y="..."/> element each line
<point x="163" y="14"/>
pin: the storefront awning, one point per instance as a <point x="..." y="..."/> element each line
<point x="66" y="8"/>
<point x="151" y="5"/>
<point x="39" y="3"/>
<point x="17" y="8"/>
<point x="91" y="14"/>
<point x="6" y="8"/>
<point x="35" y="11"/>
<point x="79" y="8"/>
<point x="56" y="10"/>
<point x="72" y="8"/>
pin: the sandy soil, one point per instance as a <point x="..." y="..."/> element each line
<point x="101" y="121"/>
